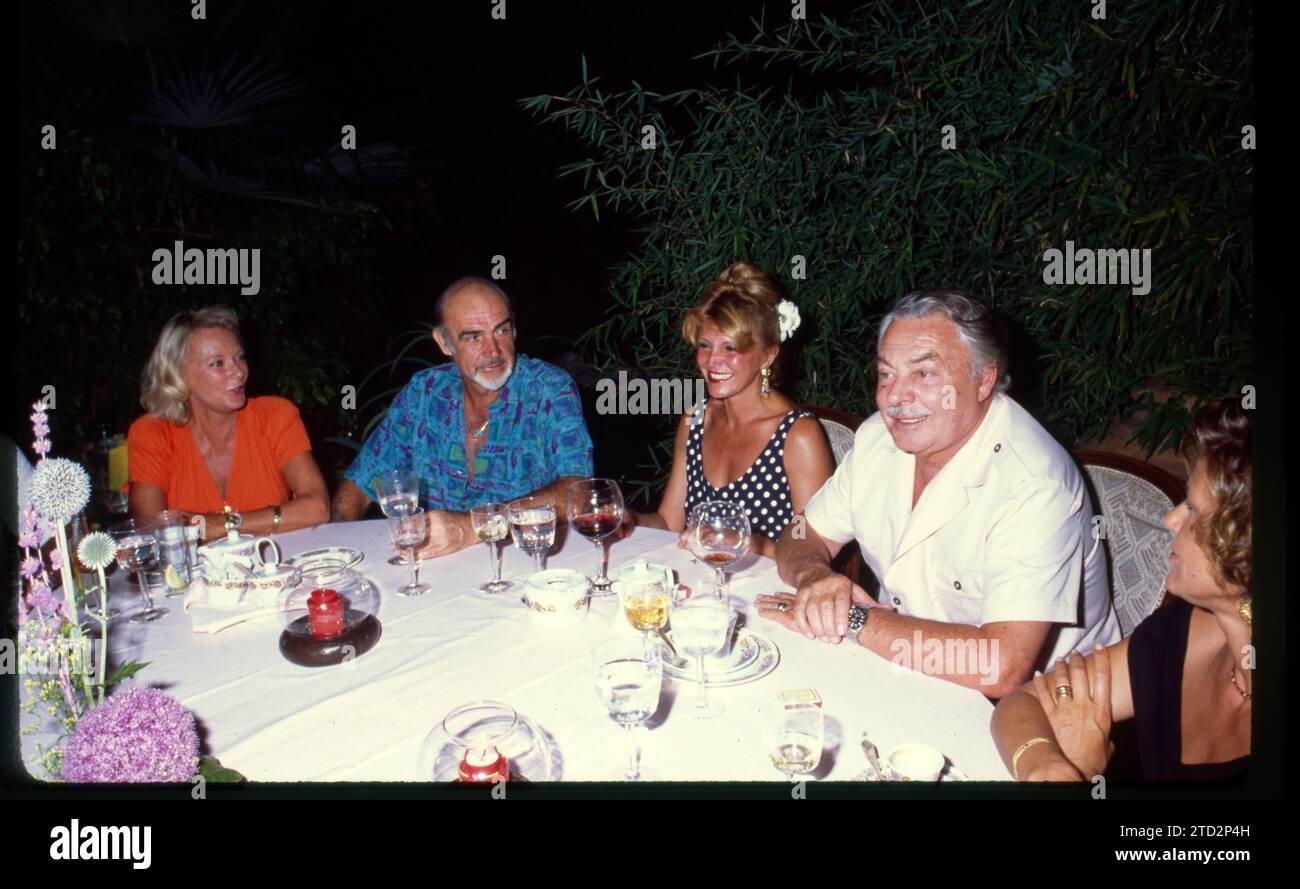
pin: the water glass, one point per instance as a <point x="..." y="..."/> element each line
<point x="532" y="524"/>
<point x="410" y="531"/>
<point x="629" y="678"/>
<point x="700" y="620"/>
<point x="137" y="550"/>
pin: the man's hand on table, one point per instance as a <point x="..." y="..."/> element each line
<point x="449" y="532"/>
<point x="820" y="607"/>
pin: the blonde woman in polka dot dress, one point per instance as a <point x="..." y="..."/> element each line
<point x="746" y="442"/>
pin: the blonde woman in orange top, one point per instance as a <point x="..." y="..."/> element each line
<point x="205" y="446"/>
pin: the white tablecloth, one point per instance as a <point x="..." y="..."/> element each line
<point x="365" y="720"/>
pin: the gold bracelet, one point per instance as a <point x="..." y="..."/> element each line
<point x="275" y="522"/>
<point x="1015" y="760"/>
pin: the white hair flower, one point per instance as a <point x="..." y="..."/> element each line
<point x="60" y="488"/>
<point x="96" y="550"/>
<point x="787" y="316"/>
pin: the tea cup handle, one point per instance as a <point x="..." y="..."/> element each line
<point x="257" y="548"/>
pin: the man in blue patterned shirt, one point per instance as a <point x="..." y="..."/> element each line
<point x="487" y="426"/>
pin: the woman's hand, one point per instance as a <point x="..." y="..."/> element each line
<point x="1081" y="718"/>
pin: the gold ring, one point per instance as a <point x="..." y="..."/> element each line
<point x="783" y="606"/>
<point x="1063" y="692"/>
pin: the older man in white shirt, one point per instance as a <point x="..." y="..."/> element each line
<point x="975" y="520"/>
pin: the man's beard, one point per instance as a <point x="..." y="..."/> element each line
<point x="493" y="385"/>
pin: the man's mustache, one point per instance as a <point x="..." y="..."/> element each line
<point x="905" y="413"/>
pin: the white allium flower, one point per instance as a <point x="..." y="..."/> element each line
<point x="96" y="550"/>
<point x="787" y="316"/>
<point x="60" y="488"/>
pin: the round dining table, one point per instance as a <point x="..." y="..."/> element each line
<point x="364" y="720"/>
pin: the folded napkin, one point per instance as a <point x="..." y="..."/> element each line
<point x="207" y="617"/>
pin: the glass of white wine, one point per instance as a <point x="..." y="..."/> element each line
<point x="629" y="678"/>
<point x="491" y="523"/>
<point x="645" y="602"/>
<point x="700" y="619"/>
<point x="398" y="491"/>
<point x="796" y="733"/>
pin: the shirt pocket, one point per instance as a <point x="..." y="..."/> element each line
<point x="963" y="582"/>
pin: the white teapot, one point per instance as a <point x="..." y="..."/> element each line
<point x="217" y="557"/>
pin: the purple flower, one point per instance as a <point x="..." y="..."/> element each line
<point x="30" y="567"/>
<point x="41" y="446"/>
<point x="137" y="735"/>
<point x="56" y="560"/>
<point x="41" y="597"/>
<point x="29" y="539"/>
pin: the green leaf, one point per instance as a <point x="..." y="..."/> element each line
<point x="212" y="771"/>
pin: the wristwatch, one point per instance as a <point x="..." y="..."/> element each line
<point x="857" y="619"/>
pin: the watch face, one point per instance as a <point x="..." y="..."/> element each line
<point x="857" y="617"/>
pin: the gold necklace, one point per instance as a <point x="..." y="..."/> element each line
<point x="1232" y="675"/>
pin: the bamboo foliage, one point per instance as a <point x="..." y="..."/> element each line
<point x="1123" y="133"/>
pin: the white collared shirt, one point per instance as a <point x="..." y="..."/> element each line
<point x="1000" y="534"/>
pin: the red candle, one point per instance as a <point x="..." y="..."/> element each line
<point x="325" y="611"/>
<point x="484" y="764"/>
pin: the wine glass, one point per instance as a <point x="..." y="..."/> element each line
<point x="796" y="733"/>
<point x="645" y="602"/>
<point x="399" y="495"/>
<point x="700" y="619"/>
<point x="717" y="531"/>
<point x="629" y="677"/>
<point x="595" y="507"/>
<point x="491" y="525"/>
<point x="137" y="550"/>
<point x="410" y="531"/>
<point x="532" y="524"/>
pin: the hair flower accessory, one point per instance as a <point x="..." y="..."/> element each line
<point x="787" y="316"/>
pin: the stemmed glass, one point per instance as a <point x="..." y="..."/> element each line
<point x="796" y="733"/>
<point x="717" y="532"/>
<point x="595" y="507"/>
<point x="532" y="524"/>
<point x="629" y="677"/>
<point x="410" y="531"/>
<point x="137" y="550"/>
<point x="491" y="525"/>
<point x="399" y="495"/>
<point x="645" y="602"/>
<point x="700" y="619"/>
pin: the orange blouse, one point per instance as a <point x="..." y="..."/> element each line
<point x="268" y="434"/>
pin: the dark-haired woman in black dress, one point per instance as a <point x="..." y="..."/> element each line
<point x="1184" y="674"/>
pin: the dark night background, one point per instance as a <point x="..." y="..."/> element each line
<point x="443" y="81"/>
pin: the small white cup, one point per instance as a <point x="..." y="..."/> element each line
<point x="916" y="762"/>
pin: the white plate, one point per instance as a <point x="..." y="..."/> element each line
<point x="757" y="656"/>
<point x="345" y="554"/>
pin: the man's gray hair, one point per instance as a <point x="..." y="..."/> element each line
<point x="983" y="332"/>
<point x="440" y="305"/>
